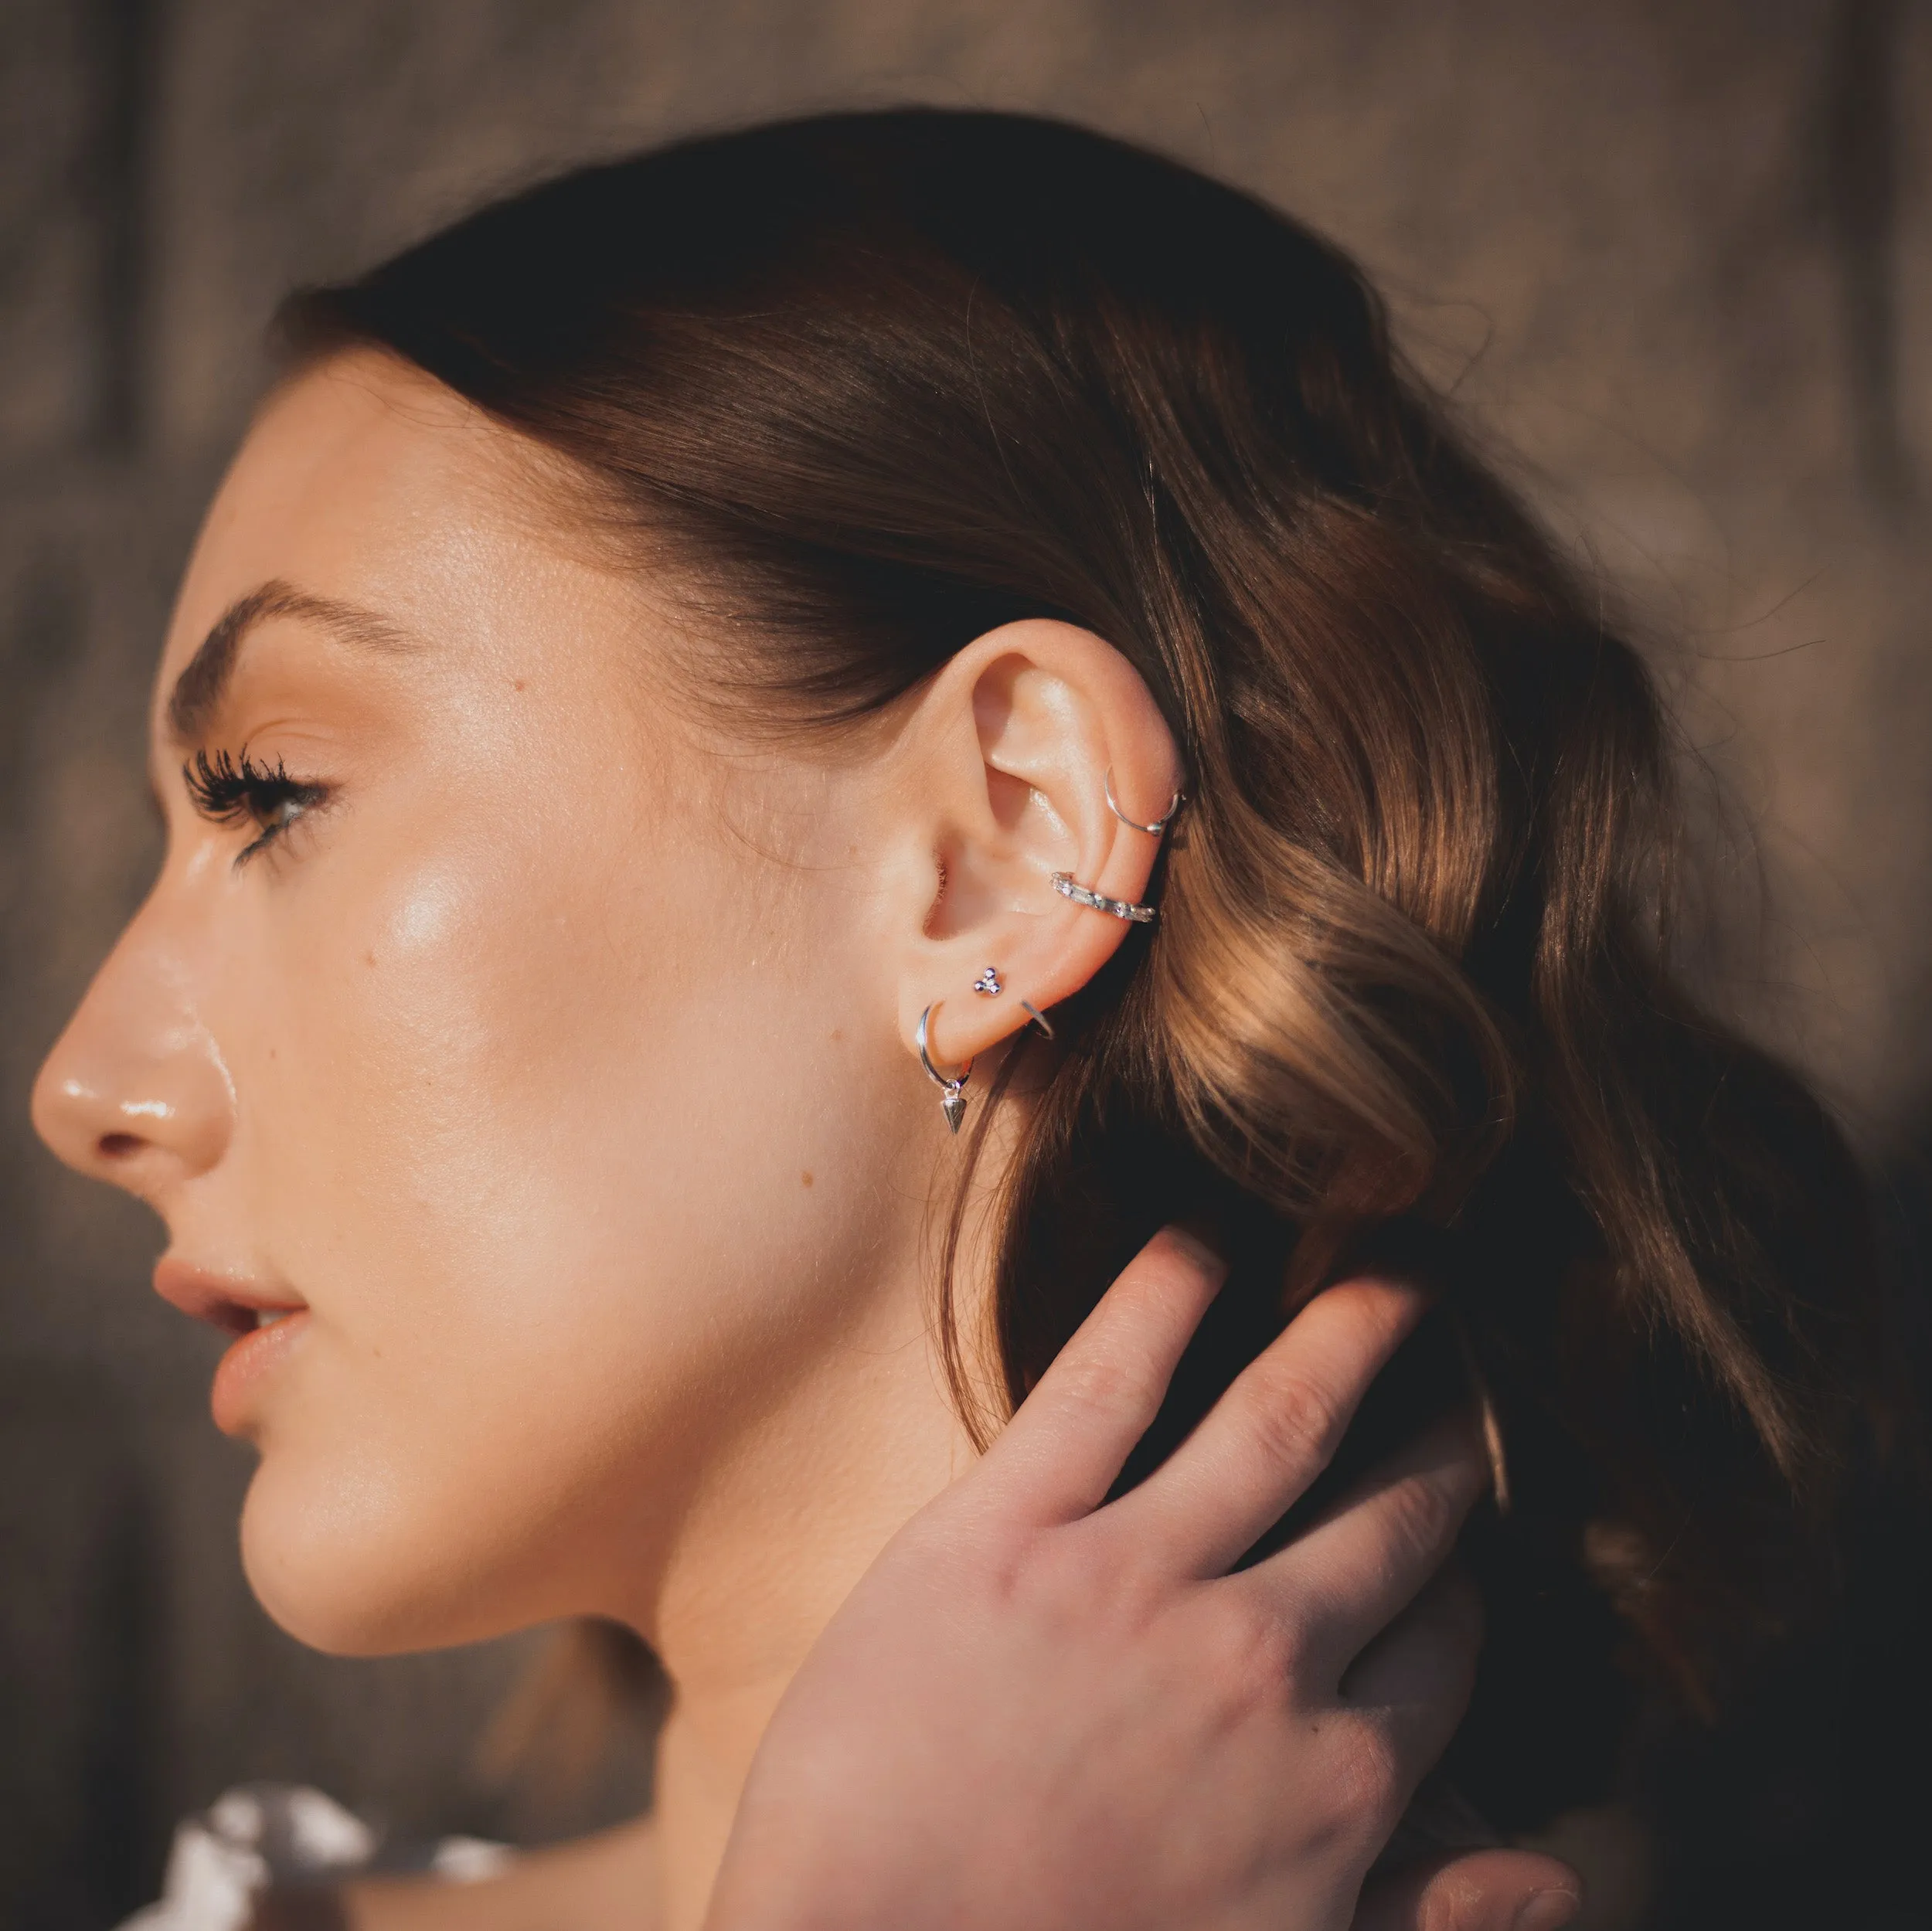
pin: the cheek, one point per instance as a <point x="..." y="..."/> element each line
<point x="533" y="1142"/>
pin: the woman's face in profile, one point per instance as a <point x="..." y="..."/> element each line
<point x="535" y="1051"/>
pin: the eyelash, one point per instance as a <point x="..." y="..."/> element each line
<point x="227" y="790"/>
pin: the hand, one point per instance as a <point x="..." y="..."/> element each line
<point x="1041" y="1710"/>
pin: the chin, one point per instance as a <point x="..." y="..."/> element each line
<point x="346" y="1568"/>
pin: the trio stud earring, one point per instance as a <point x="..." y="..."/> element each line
<point x="1159" y="825"/>
<point x="988" y="983"/>
<point x="1070" y="887"/>
<point x="952" y="1090"/>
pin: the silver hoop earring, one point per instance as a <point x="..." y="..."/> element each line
<point x="1159" y="825"/>
<point x="988" y="984"/>
<point x="1038" y="1018"/>
<point x="952" y="1093"/>
<point x="1070" y="887"/>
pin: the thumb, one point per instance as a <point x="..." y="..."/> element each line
<point x="1475" y="1891"/>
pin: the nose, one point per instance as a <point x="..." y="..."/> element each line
<point x="135" y="1091"/>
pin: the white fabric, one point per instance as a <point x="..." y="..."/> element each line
<point x="251" y="1839"/>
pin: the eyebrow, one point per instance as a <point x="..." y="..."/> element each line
<point x="205" y="677"/>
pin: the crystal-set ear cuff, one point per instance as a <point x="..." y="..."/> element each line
<point x="1070" y="887"/>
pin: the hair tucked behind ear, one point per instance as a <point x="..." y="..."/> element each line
<point x="880" y="382"/>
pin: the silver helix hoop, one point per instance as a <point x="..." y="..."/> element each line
<point x="1068" y="887"/>
<point x="1159" y="825"/>
<point x="1038" y="1018"/>
<point x="952" y="1092"/>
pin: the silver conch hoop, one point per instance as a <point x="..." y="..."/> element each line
<point x="1068" y="887"/>
<point x="1038" y="1017"/>
<point x="952" y="1093"/>
<point x="1159" y="825"/>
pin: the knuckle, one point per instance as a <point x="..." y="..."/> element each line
<point x="1104" y="1383"/>
<point x="1009" y="1573"/>
<point x="1257" y="1658"/>
<point x="1419" y="1518"/>
<point x="1297" y="1421"/>
<point x="1123" y="1585"/>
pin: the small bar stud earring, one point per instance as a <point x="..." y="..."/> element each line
<point x="988" y="983"/>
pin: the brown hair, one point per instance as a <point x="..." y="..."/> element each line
<point x="882" y="381"/>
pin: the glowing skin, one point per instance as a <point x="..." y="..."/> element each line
<point x="552" y="1061"/>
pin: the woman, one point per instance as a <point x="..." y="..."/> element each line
<point x="904" y="700"/>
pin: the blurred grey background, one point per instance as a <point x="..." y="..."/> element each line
<point x="1674" y="255"/>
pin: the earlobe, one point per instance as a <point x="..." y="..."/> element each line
<point x="1025" y="759"/>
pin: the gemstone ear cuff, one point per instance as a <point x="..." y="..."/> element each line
<point x="1070" y="887"/>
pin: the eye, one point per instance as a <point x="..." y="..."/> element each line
<point x="234" y="790"/>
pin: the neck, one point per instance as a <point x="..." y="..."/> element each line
<point x="785" y="1525"/>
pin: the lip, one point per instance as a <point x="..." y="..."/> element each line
<point x="234" y="1304"/>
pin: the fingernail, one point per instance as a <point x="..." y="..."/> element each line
<point x="1194" y="1242"/>
<point x="1547" y="1910"/>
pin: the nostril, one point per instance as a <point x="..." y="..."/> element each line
<point x="117" y="1146"/>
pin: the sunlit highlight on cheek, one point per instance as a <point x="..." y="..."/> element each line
<point x="430" y="1067"/>
<point x="202" y="859"/>
<point x="415" y="997"/>
<point x="425" y="917"/>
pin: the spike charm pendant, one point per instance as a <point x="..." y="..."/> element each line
<point x="952" y="1087"/>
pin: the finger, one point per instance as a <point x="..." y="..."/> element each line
<point x="1413" y="1684"/>
<point x="1274" y="1431"/>
<point x="1350" y="1575"/>
<point x="1059" y="1454"/>
<point x="1407" y="1696"/>
<point x="1474" y="1891"/>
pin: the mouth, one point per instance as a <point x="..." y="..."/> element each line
<point x="235" y="1305"/>
<point x="268" y="1323"/>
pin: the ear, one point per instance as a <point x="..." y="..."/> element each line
<point x="1000" y="781"/>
